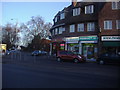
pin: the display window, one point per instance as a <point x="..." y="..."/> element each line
<point x="89" y="50"/>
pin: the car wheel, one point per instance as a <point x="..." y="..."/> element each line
<point x="59" y="59"/>
<point x="101" y="62"/>
<point x="76" y="61"/>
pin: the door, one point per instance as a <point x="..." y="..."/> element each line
<point x="70" y="55"/>
<point x="89" y="51"/>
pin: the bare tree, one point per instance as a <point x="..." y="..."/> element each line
<point x="36" y="28"/>
<point x="9" y="34"/>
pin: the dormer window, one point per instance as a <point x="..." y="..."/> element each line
<point x="55" y="19"/>
<point x="76" y="11"/>
<point x="115" y="5"/>
<point x="89" y="9"/>
<point x="62" y="15"/>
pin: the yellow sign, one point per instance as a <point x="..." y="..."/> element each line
<point x="3" y="47"/>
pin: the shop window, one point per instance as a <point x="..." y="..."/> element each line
<point x="62" y="46"/>
<point x="108" y="24"/>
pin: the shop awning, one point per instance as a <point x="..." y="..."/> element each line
<point x="111" y="44"/>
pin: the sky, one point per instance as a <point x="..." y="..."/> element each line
<point x="22" y="12"/>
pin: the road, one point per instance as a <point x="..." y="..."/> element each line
<point x="45" y="72"/>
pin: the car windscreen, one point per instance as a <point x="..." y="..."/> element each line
<point x="63" y="52"/>
<point x="70" y="53"/>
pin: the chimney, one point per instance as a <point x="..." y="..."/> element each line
<point x="74" y="2"/>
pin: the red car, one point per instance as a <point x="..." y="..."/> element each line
<point x="69" y="55"/>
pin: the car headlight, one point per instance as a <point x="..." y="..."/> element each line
<point x="79" y="56"/>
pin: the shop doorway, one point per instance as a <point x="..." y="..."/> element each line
<point x="89" y="51"/>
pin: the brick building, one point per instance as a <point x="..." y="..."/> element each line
<point x="109" y="23"/>
<point x="80" y="27"/>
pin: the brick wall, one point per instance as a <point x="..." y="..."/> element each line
<point x="108" y="14"/>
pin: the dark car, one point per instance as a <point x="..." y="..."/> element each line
<point x="110" y="57"/>
<point x="44" y="53"/>
<point x="69" y="55"/>
<point x="38" y="52"/>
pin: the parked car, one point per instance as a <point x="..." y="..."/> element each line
<point x="8" y="52"/>
<point x="2" y="53"/>
<point x="69" y="55"/>
<point x="38" y="52"/>
<point x="43" y="53"/>
<point x="110" y="57"/>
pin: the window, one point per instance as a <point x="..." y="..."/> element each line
<point x="62" y="15"/>
<point x="108" y="24"/>
<point x="80" y="27"/>
<point x="55" y="19"/>
<point x="91" y="26"/>
<point x="56" y="31"/>
<point x="89" y="9"/>
<point x="76" y="11"/>
<point x="70" y="53"/>
<point x="118" y="24"/>
<point x="53" y="32"/>
<point x="63" y="52"/>
<point x="115" y="5"/>
<point x="72" y="28"/>
<point x="61" y="29"/>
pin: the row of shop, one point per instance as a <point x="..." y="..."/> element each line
<point x="89" y="46"/>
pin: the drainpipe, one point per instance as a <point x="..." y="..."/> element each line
<point x="50" y="49"/>
<point x="65" y="46"/>
<point x="80" y="47"/>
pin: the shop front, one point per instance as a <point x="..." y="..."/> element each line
<point x="72" y="44"/>
<point x="110" y="44"/>
<point x="57" y="45"/>
<point x="88" y="47"/>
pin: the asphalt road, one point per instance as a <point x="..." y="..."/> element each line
<point x="45" y="72"/>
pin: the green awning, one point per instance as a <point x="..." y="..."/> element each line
<point x="111" y="44"/>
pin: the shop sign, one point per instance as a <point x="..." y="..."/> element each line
<point x="62" y="44"/>
<point x="72" y="40"/>
<point x="88" y="38"/>
<point x="110" y="38"/>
